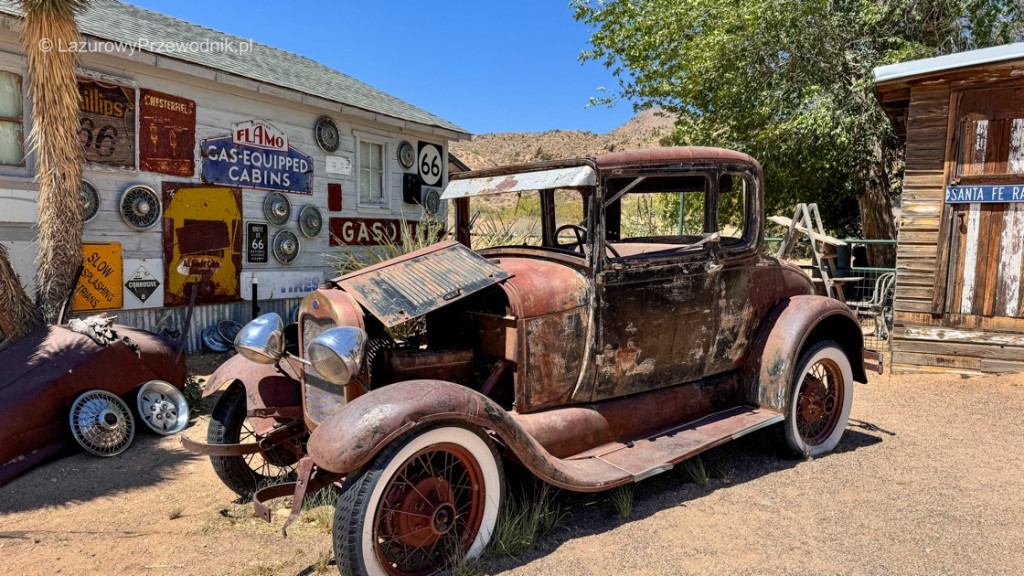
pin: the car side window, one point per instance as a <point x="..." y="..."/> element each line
<point x="734" y="204"/>
<point x="656" y="217"/>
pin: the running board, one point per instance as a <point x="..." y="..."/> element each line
<point x="659" y="453"/>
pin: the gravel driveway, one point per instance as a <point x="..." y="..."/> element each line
<point x="929" y="479"/>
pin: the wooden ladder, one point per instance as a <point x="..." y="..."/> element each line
<point x="807" y="220"/>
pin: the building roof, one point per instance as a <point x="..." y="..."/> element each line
<point x="905" y="70"/>
<point x="127" y="24"/>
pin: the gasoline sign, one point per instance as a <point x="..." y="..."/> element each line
<point x="142" y="284"/>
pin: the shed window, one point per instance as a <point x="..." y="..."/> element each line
<point x="12" y="151"/>
<point x="372" y="174"/>
<point x="991" y="134"/>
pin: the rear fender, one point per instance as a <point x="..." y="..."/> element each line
<point x="267" y="386"/>
<point x="352" y="436"/>
<point x="792" y="325"/>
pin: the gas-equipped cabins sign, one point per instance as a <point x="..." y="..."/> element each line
<point x="257" y="155"/>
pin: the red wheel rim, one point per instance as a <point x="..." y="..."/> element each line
<point x="819" y="402"/>
<point x="430" y="510"/>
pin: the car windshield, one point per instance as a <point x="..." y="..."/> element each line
<point x="517" y="219"/>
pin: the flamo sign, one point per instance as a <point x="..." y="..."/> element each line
<point x="257" y="155"/>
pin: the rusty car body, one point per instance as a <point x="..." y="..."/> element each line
<point x="45" y="370"/>
<point x="607" y="342"/>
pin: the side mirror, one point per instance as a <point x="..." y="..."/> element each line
<point x="262" y="340"/>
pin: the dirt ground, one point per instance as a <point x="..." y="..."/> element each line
<point x="928" y="479"/>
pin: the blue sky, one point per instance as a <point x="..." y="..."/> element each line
<point x="488" y="66"/>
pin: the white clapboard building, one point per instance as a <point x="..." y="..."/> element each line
<point x="209" y="160"/>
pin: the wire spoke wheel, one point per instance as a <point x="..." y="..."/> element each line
<point x="819" y="402"/>
<point x="102" y="423"/>
<point x="424" y="503"/>
<point x="820" y="399"/>
<point x="429" y="512"/>
<point x="246" y="473"/>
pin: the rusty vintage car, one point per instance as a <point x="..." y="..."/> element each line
<point x="59" y="386"/>
<point x="596" y="320"/>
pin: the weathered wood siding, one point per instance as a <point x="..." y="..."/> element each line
<point x="970" y="338"/>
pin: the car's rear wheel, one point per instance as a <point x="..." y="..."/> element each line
<point x="422" y="503"/>
<point x="246" y="473"/>
<point x="820" y="400"/>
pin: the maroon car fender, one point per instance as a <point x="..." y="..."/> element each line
<point x="352" y="436"/>
<point x="792" y="324"/>
<point x="267" y="386"/>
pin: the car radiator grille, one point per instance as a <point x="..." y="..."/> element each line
<point x="322" y="398"/>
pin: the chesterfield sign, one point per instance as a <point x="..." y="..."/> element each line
<point x="257" y="155"/>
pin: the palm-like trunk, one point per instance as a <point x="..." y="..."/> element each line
<point x="53" y="89"/>
<point x="17" y="313"/>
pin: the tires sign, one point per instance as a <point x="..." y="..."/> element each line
<point x="257" y="243"/>
<point x="429" y="163"/>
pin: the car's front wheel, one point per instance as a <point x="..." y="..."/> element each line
<point x="820" y="400"/>
<point x="427" y="500"/>
<point x="247" y="473"/>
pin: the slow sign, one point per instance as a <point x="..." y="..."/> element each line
<point x="99" y="287"/>
<point x="106" y="123"/>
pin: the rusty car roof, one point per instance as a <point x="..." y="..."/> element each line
<point x="671" y="155"/>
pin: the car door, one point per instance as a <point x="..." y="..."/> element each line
<point x="656" y="300"/>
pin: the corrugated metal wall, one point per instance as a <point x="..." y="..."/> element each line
<point x="155" y="319"/>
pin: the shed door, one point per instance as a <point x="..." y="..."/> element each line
<point x="988" y="238"/>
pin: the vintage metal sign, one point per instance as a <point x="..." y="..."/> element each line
<point x="142" y="284"/>
<point x="99" y="287"/>
<point x="279" y="283"/>
<point x="106" y="123"/>
<point x="257" y="242"/>
<point x="431" y="168"/>
<point x="985" y="194"/>
<point x="257" y="155"/>
<point x="167" y="134"/>
<point x="367" y="231"/>
<point x="202" y="242"/>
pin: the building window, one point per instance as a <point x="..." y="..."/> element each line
<point x="991" y="135"/>
<point x="12" y="152"/>
<point x="372" y="173"/>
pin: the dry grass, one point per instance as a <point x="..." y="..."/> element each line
<point x="53" y="89"/>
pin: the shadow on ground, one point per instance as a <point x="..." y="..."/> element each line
<point x="78" y="477"/>
<point x="740" y="461"/>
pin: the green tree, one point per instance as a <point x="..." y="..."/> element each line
<point x="790" y="82"/>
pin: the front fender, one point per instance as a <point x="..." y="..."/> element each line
<point x="353" y="435"/>
<point x="791" y="325"/>
<point x="267" y="386"/>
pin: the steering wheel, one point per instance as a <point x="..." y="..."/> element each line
<point x="578" y="231"/>
<point x="581" y="239"/>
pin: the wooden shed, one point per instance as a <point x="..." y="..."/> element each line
<point x="958" y="303"/>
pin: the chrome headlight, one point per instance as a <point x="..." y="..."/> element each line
<point x="337" y="354"/>
<point x="262" y="340"/>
